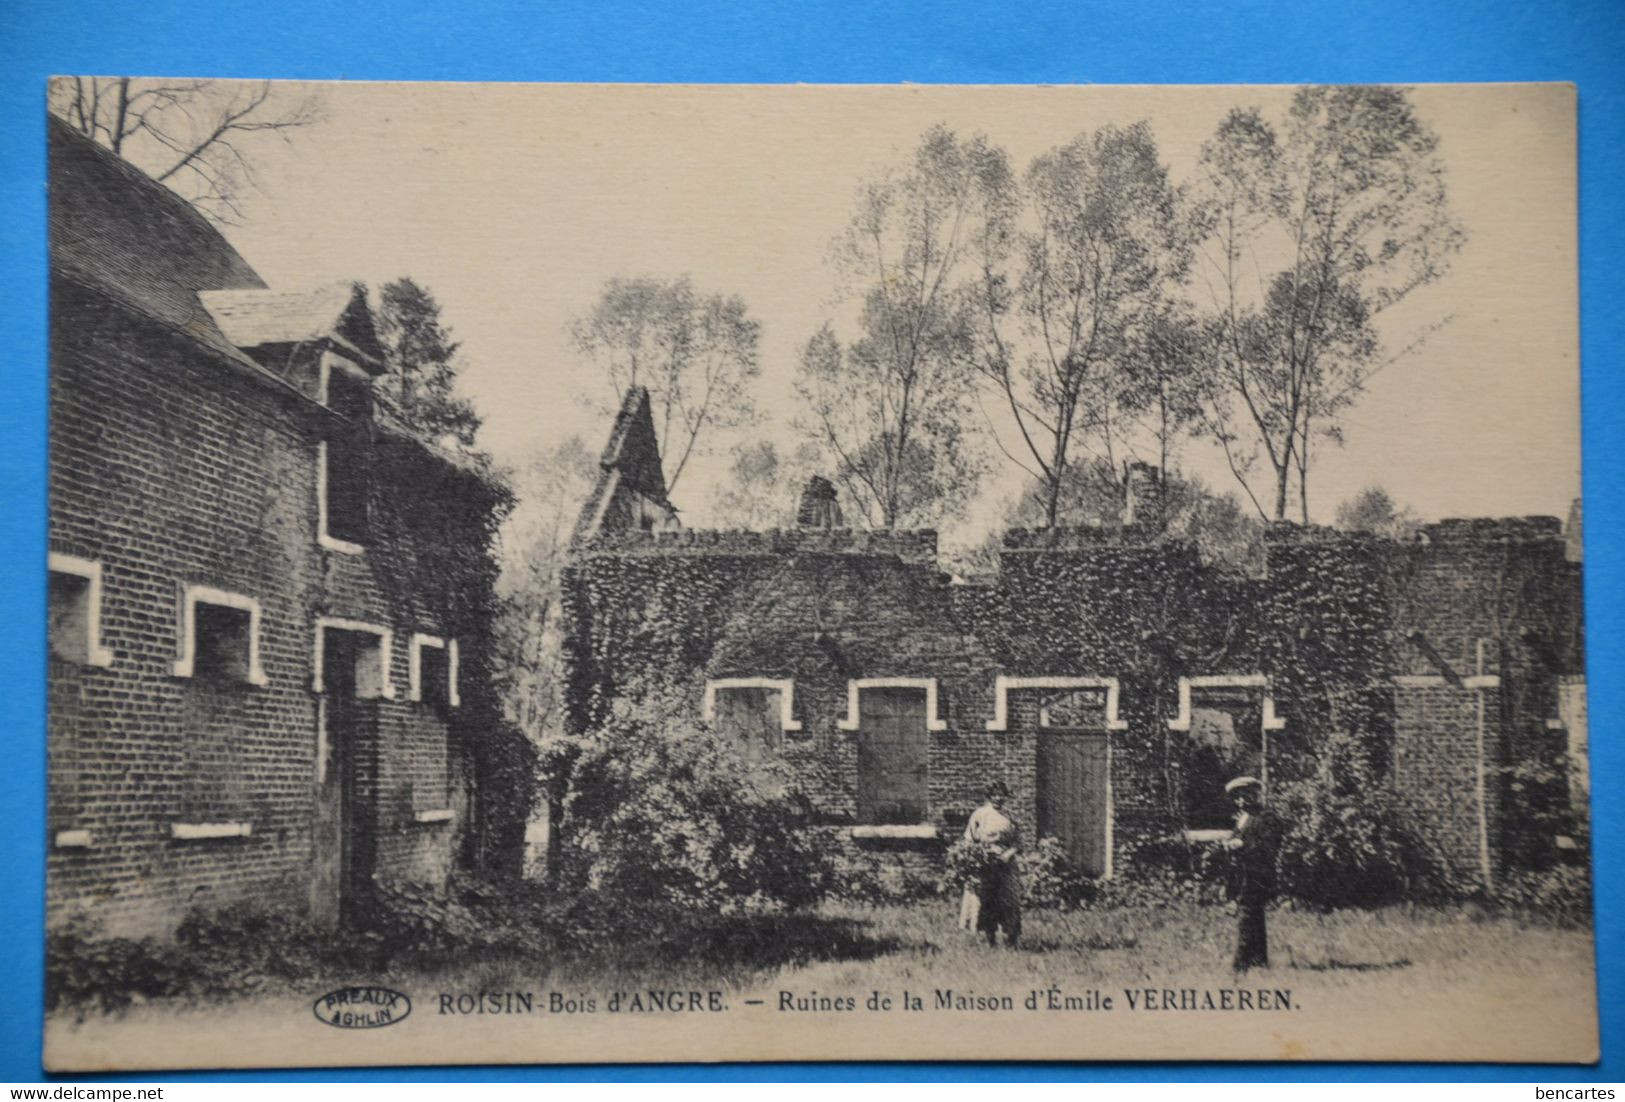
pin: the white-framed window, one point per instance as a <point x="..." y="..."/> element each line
<point x="1065" y="694"/>
<point x="220" y="636"/>
<point x="74" y="611"/>
<point x="754" y="713"/>
<point x="341" y="499"/>
<point x="432" y="671"/>
<point x="854" y="691"/>
<point x="784" y="688"/>
<point x="372" y="648"/>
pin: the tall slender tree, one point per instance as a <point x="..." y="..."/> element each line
<point x="695" y="351"/>
<point x="423" y="364"/>
<point x="551" y="487"/>
<point x="890" y="404"/>
<point x="1072" y="327"/>
<point x="1309" y="232"/>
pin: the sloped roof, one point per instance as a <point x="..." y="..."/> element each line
<point x="336" y="314"/>
<point x="116" y="230"/>
<point x="630" y="462"/>
<point x="633" y="449"/>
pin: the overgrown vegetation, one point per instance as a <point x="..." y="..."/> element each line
<point x="659" y="812"/>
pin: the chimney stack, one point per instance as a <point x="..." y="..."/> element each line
<point x="1142" y="485"/>
<point x="819" y="509"/>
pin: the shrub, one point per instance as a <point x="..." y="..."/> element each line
<point x="1347" y="842"/>
<point x="965" y="864"/>
<point x="1561" y="895"/>
<point x="871" y="878"/>
<point x="1539" y="810"/>
<point x="256" y="940"/>
<point x="661" y="811"/>
<point x="1048" y="876"/>
<point x="1050" y="879"/>
<point x="85" y="972"/>
<point x="1166" y="871"/>
<point x="236" y="949"/>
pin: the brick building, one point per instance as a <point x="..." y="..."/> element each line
<point x="260" y="643"/>
<point x="1111" y="677"/>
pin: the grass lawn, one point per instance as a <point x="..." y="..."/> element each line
<point x="848" y="946"/>
<point x="1399" y="983"/>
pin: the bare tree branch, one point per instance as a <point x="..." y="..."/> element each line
<point x="186" y="134"/>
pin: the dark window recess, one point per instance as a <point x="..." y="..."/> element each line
<point x="69" y="617"/>
<point x="434" y="677"/>
<point x="349" y="459"/>
<point x="221" y="637"/>
<point x="1225" y="741"/>
<point x="349" y="462"/>
<point x="348" y="396"/>
<point x="1074" y="709"/>
<point x="752" y="718"/>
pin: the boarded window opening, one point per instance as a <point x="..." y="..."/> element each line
<point x="361" y="650"/>
<point x="371" y="678"/>
<point x="69" y="617"/>
<point x="753" y="719"/>
<point x="893" y="752"/>
<point x="222" y="642"/>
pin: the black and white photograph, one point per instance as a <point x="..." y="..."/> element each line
<point x="569" y="573"/>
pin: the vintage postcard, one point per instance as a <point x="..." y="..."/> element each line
<point x="617" y="573"/>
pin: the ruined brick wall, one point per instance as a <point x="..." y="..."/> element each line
<point x="1329" y="626"/>
<point x="1486" y="615"/>
<point x="169" y="469"/>
<point x="1447" y="769"/>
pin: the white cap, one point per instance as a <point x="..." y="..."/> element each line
<point x="1243" y="782"/>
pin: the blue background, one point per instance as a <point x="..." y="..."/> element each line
<point x="1152" y="41"/>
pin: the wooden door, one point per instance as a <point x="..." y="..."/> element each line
<point x="1072" y="795"/>
<point x="340" y="868"/>
<point x="893" y="749"/>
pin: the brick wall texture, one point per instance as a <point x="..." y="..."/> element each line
<point x="171" y="467"/>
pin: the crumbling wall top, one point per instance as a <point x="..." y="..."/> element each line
<point x="917" y="545"/>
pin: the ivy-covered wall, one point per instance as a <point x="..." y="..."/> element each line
<point x="1345" y="628"/>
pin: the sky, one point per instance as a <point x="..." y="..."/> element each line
<point x="515" y="203"/>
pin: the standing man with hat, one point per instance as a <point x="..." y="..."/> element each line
<point x="1256" y="843"/>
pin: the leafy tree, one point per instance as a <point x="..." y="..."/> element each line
<point x="1072" y="326"/>
<point x="423" y="365"/>
<point x="1309" y="232"/>
<point x="197" y="136"/>
<point x="551" y="489"/>
<point x="695" y="352"/>
<point x="764" y="486"/>
<point x="1093" y="493"/>
<point x="890" y="404"/>
<point x="1373" y="510"/>
<point x="1168" y="379"/>
<point x="661" y="811"/>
